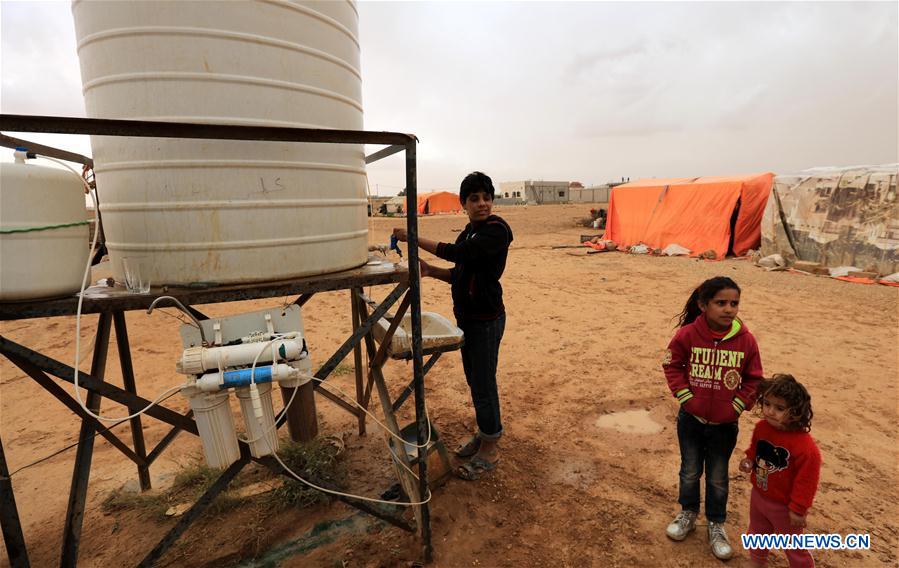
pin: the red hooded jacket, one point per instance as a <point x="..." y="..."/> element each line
<point x="713" y="379"/>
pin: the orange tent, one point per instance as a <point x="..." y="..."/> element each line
<point x="438" y="202"/>
<point x="695" y="213"/>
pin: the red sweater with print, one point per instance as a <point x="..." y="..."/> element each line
<point x="785" y="466"/>
<point x="714" y="379"/>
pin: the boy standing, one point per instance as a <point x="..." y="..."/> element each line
<point x="479" y="257"/>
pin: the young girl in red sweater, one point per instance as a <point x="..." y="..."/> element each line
<point x="713" y="369"/>
<point x="785" y="465"/>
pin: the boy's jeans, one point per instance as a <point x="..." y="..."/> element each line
<point x="708" y="445"/>
<point x="479" y="357"/>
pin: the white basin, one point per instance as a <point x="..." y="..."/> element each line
<point x="436" y="331"/>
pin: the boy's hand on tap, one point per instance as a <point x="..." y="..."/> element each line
<point x="746" y="465"/>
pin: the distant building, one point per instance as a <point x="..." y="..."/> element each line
<point x="592" y="194"/>
<point x="534" y="192"/>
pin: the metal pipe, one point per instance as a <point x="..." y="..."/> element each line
<point x="183" y="309"/>
<point x="40" y="149"/>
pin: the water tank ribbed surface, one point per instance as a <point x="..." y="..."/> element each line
<point x="43" y="232"/>
<point x="227" y="211"/>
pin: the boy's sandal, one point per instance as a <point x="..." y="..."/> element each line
<point x="469" y="448"/>
<point x="472" y="470"/>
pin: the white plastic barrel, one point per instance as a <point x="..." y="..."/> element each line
<point x="210" y="211"/>
<point x="43" y="232"/>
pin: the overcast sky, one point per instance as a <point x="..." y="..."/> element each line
<point x="576" y="91"/>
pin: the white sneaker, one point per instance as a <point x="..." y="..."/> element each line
<point x="718" y="541"/>
<point x="682" y="525"/>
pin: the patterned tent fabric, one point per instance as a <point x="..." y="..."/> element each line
<point x="836" y="217"/>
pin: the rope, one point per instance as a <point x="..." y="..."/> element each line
<point x="31" y="229"/>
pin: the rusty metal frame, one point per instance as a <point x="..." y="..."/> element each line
<point x="111" y="308"/>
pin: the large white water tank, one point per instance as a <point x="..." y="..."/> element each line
<point x="43" y="232"/>
<point x="227" y="211"/>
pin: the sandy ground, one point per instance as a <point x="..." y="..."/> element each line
<point x="589" y="464"/>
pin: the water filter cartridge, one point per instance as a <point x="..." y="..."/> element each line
<point x="216" y="426"/>
<point x="261" y="432"/>
<point x="196" y="360"/>
<point x="211" y="382"/>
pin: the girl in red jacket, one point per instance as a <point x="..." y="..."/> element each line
<point x="713" y="369"/>
<point x="785" y="465"/>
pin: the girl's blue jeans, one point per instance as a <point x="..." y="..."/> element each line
<point x="705" y="447"/>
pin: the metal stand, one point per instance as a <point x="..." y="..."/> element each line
<point x="377" y="358"/>
<point x="112" y="304"/>
<point x="9" y="518"/>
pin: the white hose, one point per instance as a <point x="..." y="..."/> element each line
<point x="293" y="474"/>
<point x="84" y="282"/>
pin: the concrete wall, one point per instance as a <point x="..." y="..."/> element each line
<point x="594" y="194"/>
<point x="535" y="192"/>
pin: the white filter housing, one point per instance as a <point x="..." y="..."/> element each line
<point x="216" y="426"/>
<point x="44" y="243"/>
<point x="227" y="211"/>
<point x="196" y="360"/>
<point x="262" y="434"/>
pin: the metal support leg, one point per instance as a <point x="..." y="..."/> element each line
<point x="137" y="432"/>
<point x="9" y="519"/>
<point x="417" y="364"/>
<point x="197" y="509"/>
<point x="81" y="474"/>
<point x="410" y="388"/>
<point x="407" y="481"/>
<point x="302" y="420"/>
<point x="357" y="360"/>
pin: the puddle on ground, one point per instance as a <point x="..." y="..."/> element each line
<point x="630" y="422"/>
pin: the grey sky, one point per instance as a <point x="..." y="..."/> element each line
<point x="577" y="91"/>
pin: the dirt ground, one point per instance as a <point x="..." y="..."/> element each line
<point x="588" y="474"/>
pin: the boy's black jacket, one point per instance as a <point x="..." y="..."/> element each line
<point x="480" y="257"/>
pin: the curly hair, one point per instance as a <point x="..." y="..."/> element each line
<point x="799" y="402"/>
